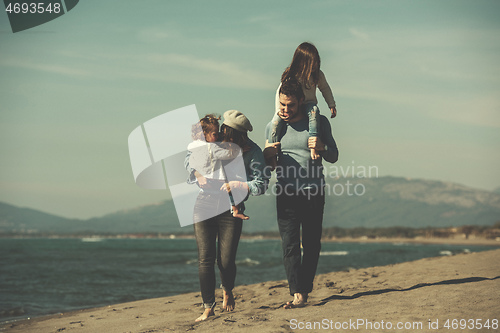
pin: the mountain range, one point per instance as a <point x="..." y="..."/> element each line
<point x="351" y="202"/>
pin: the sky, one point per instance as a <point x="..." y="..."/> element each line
<point x="417" y="86"/>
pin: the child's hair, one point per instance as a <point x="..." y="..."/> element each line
<point x="232" y="135"/>
<point x="305" y="65"/>
<point x="204" y="126"/>
<point x="292" y="88"/>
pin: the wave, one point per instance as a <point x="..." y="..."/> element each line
<point x="247" y="262"/>
<point x="450" y="253"/>
<point x="243" y="262"/>
<point x="334" y="253"/>
<point x="92" y="239"/>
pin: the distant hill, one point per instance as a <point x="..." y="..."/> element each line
<point x="26" y="220"/>
<point x="352" y="202"/>
<point x="392" y="201"/>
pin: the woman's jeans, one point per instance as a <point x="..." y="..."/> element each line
<point x="217" y="239"/>
<point x="295" y="211"/>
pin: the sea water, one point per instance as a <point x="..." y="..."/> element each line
<point x="46" y="276"/>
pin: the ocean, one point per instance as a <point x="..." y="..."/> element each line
<point x="46" y="276"/>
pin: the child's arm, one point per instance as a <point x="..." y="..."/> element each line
<point x="224" y="150"/>
<point x="276" y="123"/>
<point x="277" y="101"/>
<point x="326" y="91"/>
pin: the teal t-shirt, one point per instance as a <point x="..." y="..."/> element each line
<point x="296" y="169"/>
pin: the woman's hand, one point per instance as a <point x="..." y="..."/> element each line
<point x="334" y="112"/>
<point x="202" y="181"/>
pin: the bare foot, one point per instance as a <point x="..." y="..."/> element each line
<point x="241" y="216"/>
<point x="314" y="154"/>
<point x="273" y="162"/>
<point x="299" y="301"/>
<point x="227" y="300"/>
<point x="207" y="313"/>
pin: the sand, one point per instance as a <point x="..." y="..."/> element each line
<point x="424" y="296"/>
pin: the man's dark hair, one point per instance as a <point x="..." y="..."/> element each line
<point x="291" y="87"/>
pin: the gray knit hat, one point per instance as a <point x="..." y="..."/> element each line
<point x="237" y="120"/>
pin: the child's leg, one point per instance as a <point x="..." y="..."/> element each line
<point x="235" y="210"/>
<point x="276" y="126"/>
<point x="237" y="214"/>
<point x="313" y="114"/>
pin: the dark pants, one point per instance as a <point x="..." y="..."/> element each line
<point x="296" y="211"/>
<point x="217" y="239"/>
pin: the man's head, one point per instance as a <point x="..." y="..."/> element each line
<point x="291" y="97"/>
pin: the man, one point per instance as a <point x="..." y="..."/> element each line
<point x="300" y="189"/>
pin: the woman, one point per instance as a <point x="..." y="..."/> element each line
<point x="224" y="229"/>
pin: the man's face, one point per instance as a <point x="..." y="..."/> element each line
<point x="290" y="108"/>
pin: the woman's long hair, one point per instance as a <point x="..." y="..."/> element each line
<point x="305" y="65"/>
<point x="231" y="135"/>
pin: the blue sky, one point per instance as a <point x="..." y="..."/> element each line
<point x="417" y="87"/>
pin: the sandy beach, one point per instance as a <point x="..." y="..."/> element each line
<point x="445" y="294"/>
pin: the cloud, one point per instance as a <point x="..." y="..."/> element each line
<point x="156" y="34"/>
<point x="260" y="18"/>
<point x="359" y="34"/>
<point x="201" y="71"/>
<point x="447" y="74"/>
<point x="44" y="67"/>
<point x="168" y="67"/>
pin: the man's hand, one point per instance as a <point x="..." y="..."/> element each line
<point x="315" y="143"/>
<point x="233" y="185"/>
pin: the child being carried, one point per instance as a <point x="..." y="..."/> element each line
<point x="207" y="155"/>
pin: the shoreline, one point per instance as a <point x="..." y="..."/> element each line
<point x="364" y="239"/>
<point x="436" y="289"/>
<point x="419" y="240"/>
